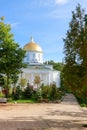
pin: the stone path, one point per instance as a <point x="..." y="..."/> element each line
<point x="67" y="115"/>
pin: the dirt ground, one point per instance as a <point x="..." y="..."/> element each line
<point x="67" y="115"/>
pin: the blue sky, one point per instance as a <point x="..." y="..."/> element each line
<point x="46" y="20"/>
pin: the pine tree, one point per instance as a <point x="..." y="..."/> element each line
<point x="75" y="49"/>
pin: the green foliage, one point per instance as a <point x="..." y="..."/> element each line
<point x="43" y="94"/>
<point x="45" y="91"/>
<point x="51" y="93"/>
<point x="56" y="65"/>
<point x="37" y="95"/>
<point x="5" y="82"/>
<point x="11" y="55"/>
<point x="1" y="80"/>
<point x="16" y="93"/>
<point x="28" y="91"/>
<point x="83" y="105"/>
<point x="5" y="88"/>
<point x="54" y="93"/>
<point x="14" y="78"/>
<point x="75" y="49"/>
<point x="22" y="101"/>
<point x="23" y="82"/>
<point x="1" y="94"/>
<point x="82" y="101"/>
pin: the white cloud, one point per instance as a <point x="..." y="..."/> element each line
<point x="61" y="1"/>
<point x="59" y="14"/>
<point x="41" y="3"/>
<point x="14" y="24"/>
<point x="45" y="3"/>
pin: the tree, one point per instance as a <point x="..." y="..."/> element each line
<point x="75" y="49"/>
<point x="56" y="65"/>
<point x="23" y="82"/>
<point x="11" y="55"/>
<point x="37" y="81"/>
<point x="14" y="78"/>
<point x="1" y="80"/>
<point x="83" y="54"/>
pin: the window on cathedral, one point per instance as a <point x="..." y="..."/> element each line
<point x="33" y="55"/>
<point x="27" y="56"/>
<point x="39" y="57"/>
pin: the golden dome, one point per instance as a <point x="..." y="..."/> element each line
<point x="32" y="46"/>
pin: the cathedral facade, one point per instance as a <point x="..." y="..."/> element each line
<point x="36" y="67"/>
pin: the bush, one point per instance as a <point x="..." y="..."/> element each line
<point x="51" y="92"/>
<point x="83" y="105"/>
<point x="28" y="92"/>
<point x="37" y="95"/>
<point x="43" y="94"/>
<point x="45" y="91"/>
<point x="1" y="94"/>
<point x="16" y="93"/>
<point x="54" y="92"/>
<point x="82" y="101"/>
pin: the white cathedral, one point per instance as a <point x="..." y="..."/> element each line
<point x="36" y="67"/>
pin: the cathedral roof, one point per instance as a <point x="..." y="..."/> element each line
<point x="32" y="46"/>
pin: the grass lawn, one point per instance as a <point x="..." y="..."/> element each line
<point x="22" y="101"/>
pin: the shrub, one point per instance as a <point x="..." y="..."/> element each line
<point x="82" y="101"/>
<point x="45" y="91"/>
<point x="37" y="95"/>
<point x="83" y="105"/>
<point x="28" y="92"/>
<point x="1" y="94"/>
<point x="54" y="93"/>
<point x="16" y="93"/>
<point x="50" y="92"/>
<point x="5" y="92"/>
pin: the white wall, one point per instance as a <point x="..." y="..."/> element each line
<point x="47" y="76"/>
<point x="56" y="78"/>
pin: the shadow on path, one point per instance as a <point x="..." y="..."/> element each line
<point x="42" y="124"/>
<point x="64" y="116"/>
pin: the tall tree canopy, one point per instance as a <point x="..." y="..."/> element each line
<point x="11" y="55"/>
<point x="75" y="49"/>
<point x="56" y="65"/>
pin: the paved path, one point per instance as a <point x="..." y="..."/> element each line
<point x="67" y="115"/>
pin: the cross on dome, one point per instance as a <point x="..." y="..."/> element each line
<point x="32" y="39"/>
